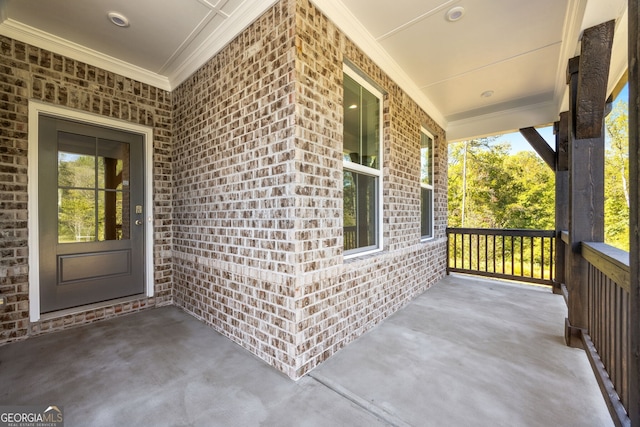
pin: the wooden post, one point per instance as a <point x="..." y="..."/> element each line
<point x="562" y="197"/>
<point x="587" y="77"/>
<point x="634" y="216"/>
<point x="575" y="268"/>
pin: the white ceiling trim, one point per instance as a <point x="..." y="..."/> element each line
<point x="240" y="19"/>
<point x="340" y="15"/>
<point x="176" y="53"/>
<point x="425" y="15"/>
<point x="619" y="55"/>
<point x="217" y="7"/>
<point x="570" y="36"/>
<point x="44" y="40"/>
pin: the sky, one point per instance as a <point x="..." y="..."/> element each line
<point x="519" y="143"/>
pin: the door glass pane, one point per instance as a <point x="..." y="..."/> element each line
<point x="113" y="164"/>
<point x="76" y="215"/>
<point x="92" y="174"/>
<point x="113" y="185"/>
<point x="76" y="188"/>
<point x="76" y="161"/>
<point x="111" y="208"/>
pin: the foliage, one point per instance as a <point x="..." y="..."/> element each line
<point x="616" y="209"/>
<point x="82" y="201"/>
<point x="76" y="217"/>
<point x="491" y="188"/>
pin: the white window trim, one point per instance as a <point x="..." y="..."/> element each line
<point x="370" y="171"/>
<point x="35" y="109"/>
<point x="431" y="187"/>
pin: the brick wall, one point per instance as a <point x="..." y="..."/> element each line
<point x="234" y="201"/>
<point x="27" y="72"/>
<point x="258" y="195"/>
<point x="340" y="300"/>
<point x="247" y="189"/>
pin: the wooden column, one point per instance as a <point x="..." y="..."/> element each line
<point x="562" y="196"/>
<point x="634" y="217"/>
<point x="587" y="76"/>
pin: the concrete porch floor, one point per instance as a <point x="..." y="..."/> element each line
<point x="467" y="352"/>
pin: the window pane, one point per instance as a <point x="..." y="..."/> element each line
<point x="76" y="216"/>
<point x="426" y="208"/>
<point x="361" y="125"/>
<point x="76" y="161"/>
<point x="351" y="104"/>
<point x="426" y="159"/>
<point x="370" y="129"/>
<point x="113" y="215"/>
<point x="360" y="219"/>
<point x="113" y="164"/>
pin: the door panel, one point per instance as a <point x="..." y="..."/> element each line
<point x="90" y="213"/>
<point x="93" y="266"/>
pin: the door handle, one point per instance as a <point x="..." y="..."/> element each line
<point x="138" y="222"/>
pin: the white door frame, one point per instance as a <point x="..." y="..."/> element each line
<point x="35" y="109"/>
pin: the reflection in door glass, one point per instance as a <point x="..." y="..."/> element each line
<point x="113" y="206"/>
<point x="93" y="189"/>
<point x="113" y="164"/>
<point x="76" y="213"/>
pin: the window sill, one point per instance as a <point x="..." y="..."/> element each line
<point x="362" y="254"/>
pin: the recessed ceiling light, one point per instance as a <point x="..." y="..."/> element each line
<point x="455" y="13"/>
<point x="487" y="94"/>
<point x="353" y="106"/>
<point x="118" y="19"/>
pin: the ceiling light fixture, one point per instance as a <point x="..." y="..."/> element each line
<point x="455" y="13"/>
<point x="487" y="94"/>
<point x="353" y="106"/>
<point x="118" y="19"/>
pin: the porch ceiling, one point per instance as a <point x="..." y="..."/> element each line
<point x="517" y="50"/>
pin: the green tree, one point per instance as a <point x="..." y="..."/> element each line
<point x="534" y="206"/>
<point x="491" y="188"/>
<point x="616" y="177"/>
<point x="76" y="203"/>
<point x="464" y="161"/>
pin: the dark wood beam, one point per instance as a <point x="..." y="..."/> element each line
<point x="540" y="145"/>
<point x="586" y="190"/>
<point x="562" y="142"/>
<point x="595" y="59"/>
<point x="562" y="197"/>
<point x="634" y="216"/>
